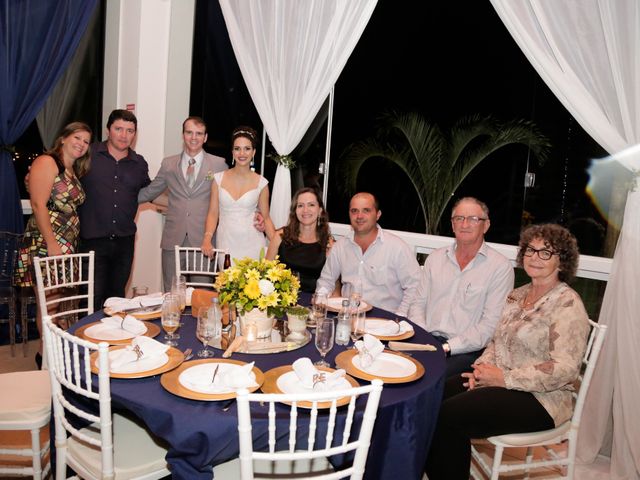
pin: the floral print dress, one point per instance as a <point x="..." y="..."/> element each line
<point x="540" y="350"/>
<point x="66" y="195"/>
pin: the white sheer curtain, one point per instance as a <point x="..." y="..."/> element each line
<point x="290" y="54"/>
<point x="588" y="53"/>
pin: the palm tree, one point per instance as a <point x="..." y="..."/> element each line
<point x="437" y="163"/>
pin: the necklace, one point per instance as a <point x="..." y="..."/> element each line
<point x="529" y="303"/>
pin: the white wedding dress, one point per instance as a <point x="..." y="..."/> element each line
<point x="235" y="232"/>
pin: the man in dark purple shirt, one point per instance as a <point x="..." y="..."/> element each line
<point x="107" y="226"/>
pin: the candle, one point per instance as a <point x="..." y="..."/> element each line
<point x="250" y="332"/>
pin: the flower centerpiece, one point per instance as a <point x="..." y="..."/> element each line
<point x="258" y="288"/>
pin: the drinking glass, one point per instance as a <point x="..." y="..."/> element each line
<point x="325" y="335"/>
<point x="206" y="331"/>
<point x="179" y="287"/>
<point x="354" y="293"/>
<point x="140" y="290"/>
<point x="170" y="318"/>
<point x="358" y="324"/>
<point x="318" y="308"/>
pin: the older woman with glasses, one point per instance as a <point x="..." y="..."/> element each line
<point x="523" y="380"/>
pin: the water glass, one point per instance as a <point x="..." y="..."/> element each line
<point x="358" y="324"/>
<point x="206" y="329"/>
<point x="318" y="308"/>
<point x="140" y="290"/>
<point x="170" y="318"/>
<point x="179" y="287"/>
<point x="325" y="335"/>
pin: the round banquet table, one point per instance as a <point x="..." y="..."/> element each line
<point x="200" y="435"/>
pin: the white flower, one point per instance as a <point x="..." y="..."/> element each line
<point x="266" y="287"/>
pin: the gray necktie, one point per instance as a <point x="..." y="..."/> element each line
<point x="191" y="177"/>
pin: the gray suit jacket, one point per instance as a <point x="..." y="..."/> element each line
<point x="188" y="207"/>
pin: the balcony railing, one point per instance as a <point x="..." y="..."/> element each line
<point x="597" y="268"/>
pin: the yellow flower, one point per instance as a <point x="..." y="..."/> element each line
<point x="263" y="303"/>
<point x="273" y="274"/>
<point x="272" y="299"/>
<point x="252" y="274"/>
<point x="287" y="299"/>
<point x="252" y="289"/>
<point x="232" y="274"/>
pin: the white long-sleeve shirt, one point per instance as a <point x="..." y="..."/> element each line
<point x="463" y="306"/>
<point x="388" y="271"/>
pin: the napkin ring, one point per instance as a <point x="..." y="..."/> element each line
<point x="319" y="378"/>
<point x="138" y="351"/>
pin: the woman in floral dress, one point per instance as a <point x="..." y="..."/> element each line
<point x="55" y="192"/>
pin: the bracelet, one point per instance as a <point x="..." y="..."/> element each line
<point x="210" y="234"/>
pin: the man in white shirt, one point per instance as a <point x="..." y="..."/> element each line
<point x="463" y="288"/>
<point x="383" y="264"/>
<point x="186" y="178"/>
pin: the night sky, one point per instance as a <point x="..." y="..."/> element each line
<point x="444" y="60"/>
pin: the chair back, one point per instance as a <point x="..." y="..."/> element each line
<point x="589" y="360"/>
<point x="64" y="285"/>
<point x="191" y="261"/>
<point x="69" y="361"/>
<point x="9" y="246"/>
<point x="325" y="447"/>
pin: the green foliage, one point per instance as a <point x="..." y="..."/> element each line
<point x="437" y="162"/>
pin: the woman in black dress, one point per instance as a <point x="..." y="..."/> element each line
<point x="304" y="242"/>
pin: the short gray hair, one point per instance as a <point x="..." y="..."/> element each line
<point x="480" y="203"/>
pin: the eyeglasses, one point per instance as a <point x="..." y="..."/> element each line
<point x="543" y="253"/>
<point x="471" y="220"/>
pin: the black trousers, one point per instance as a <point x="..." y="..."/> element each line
<point x="113" y="260"/>
<point x="478" y="413"/>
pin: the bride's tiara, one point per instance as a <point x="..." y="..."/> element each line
<point x="245" y="132"/>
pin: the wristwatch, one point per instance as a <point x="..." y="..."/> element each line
<point x="447" y="349"/>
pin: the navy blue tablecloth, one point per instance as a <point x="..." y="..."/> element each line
<point x="200" y="434"/>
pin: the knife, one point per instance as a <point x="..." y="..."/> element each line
<point x="141" y="309"/>
<point x="270" y="347"/>
<point x="403" y="346"/>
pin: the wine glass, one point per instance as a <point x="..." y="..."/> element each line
<point x="206" y="331"/>
<point x="318" y="308"/>
<point x="170" y="318"/>
<point x="358" y="324"/>
<point x="325" y="334"/>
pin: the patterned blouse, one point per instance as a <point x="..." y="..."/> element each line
<point x="540" y="350"/>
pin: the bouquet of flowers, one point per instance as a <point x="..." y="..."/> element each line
<point x="264" y="284"/>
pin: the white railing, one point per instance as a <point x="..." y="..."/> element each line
<point x="597" y="268"/>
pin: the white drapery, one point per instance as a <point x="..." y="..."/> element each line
<point x="588" y="53"/>
<point x="290" y="54"/>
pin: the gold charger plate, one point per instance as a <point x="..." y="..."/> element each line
<point x="345" y="360"/>
<point x="176" y="357"/>
<point x="401" y="336"/>
<point x="170" y="381"/>
<point x="140" y="316"/>
<point x="337" y="309"/>
<point x="270" y="385"/>
<point x="152" y="331"/>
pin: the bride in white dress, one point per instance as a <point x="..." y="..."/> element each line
<point x="236" y="195"/>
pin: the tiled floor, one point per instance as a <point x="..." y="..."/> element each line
<point x="8" y="363"/>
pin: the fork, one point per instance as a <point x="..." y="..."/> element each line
<point x="138" y="351"/>
<point x="397" y="324"/>
<point x="215" y="372"/>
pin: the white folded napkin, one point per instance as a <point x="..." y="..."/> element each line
<point x="230" y="377"/>
<point x="315" y="379"/>
<point x="117" y="304"/>
<point x="148" y="347"/>
<point x="150" y="300"/>
<point x="368" y="349"/>
<point x="387" y="328"/>
<point x="130" y="324"/>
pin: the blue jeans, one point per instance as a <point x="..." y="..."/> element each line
<point x="113" y="260"/>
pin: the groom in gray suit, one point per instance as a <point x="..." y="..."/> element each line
<point x="187" y="179"/>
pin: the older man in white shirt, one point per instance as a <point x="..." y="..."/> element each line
<point x="382" y="264"/>
<point x="463" y="288"/>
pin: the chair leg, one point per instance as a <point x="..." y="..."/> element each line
<point x="528" y="460"/>
<point x="12" y="326"/>
<point x="35" y="453"/>
<point x="497" y="461"/>
<point x="24" y="327"/>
